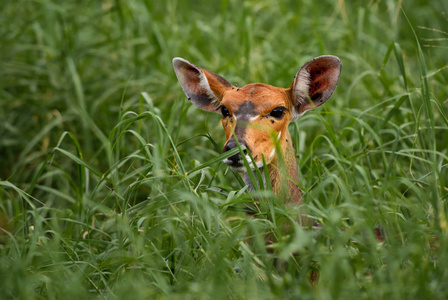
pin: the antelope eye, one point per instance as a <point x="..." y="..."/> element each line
<point x="225" y="112"/>
<point x="278" y="112"/>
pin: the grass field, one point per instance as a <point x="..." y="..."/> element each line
<point x="112" y="186"/>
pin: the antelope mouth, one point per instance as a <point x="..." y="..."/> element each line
<point x="237" y="164"/>
<point x="237" y="167"/>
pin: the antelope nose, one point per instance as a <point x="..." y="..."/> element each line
<point x="236" y="158"/>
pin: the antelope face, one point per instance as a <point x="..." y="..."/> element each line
<point x="257" y="116"/>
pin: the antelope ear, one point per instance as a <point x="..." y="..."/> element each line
<point x="203" y="88"/>
<point x="314" y="83"/>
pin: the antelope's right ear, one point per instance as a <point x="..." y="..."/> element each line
<point x="203" y="88"/>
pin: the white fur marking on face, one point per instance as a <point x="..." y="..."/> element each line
<point x="258" y="164"/>
<point x="227" y="161"/>
<point x="253" y="118"/>
<point x="272" y="153"/>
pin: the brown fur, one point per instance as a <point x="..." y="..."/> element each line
<point x="249" y="114"/>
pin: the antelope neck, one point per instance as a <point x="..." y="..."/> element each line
<point x="284" y="176"/>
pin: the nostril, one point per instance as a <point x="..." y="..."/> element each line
<point x="236" y="158"/>
<point x="229" y="146"/>
<point x="232" y="145"/>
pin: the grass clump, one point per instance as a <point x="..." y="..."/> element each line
<point x="111" y="184"/>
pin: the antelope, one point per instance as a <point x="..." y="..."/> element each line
<point x="254" y="113"/>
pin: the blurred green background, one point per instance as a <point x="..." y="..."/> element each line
<point x="110" y="188"/>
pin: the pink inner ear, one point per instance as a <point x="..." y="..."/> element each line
<point x="203" y="88"/>
<point x="324" y="80"/>
<point x="191" y="80"/>
<point x="324" y="74"/>
<point x="317" y="79"/>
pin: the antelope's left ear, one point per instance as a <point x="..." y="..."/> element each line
<point x="314" y="83"/>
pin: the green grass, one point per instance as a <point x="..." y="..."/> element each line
<point x="112" y="186"/>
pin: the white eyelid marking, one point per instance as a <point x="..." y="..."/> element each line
<point x="253" y="118"/>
